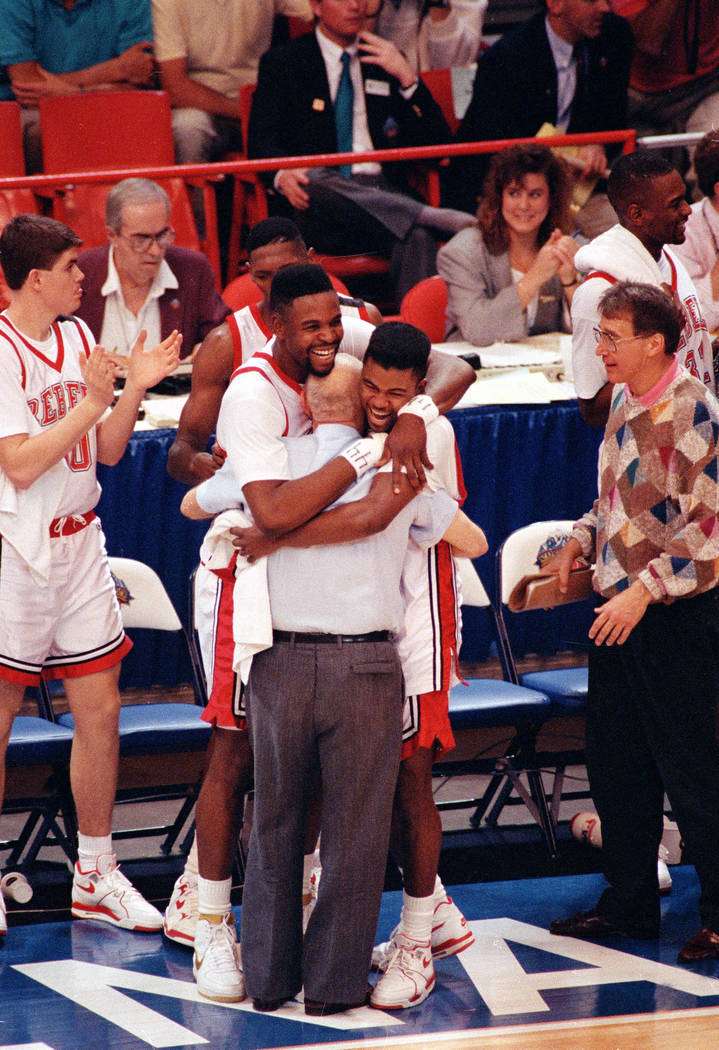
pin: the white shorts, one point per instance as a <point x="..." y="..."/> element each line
<point x="69" y="628"/>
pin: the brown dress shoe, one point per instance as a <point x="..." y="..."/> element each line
<point x="703" y="945"/>
<point x="592" y="925"/>
<point x="316" y="1008"/>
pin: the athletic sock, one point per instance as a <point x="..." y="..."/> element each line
<point x="213" y="896"/>
<point x="191" y="866"/>
<point x="90" y="848"/>
<point x="439" y="893"/>
<point x="416" y="918"/>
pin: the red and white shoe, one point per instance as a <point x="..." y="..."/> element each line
<point x="105" y="894"/>
<point x="3" y="917"/>
<point x="182" y="910"/>
<point x="450" y="935"/>
<point x="408" y="978"/>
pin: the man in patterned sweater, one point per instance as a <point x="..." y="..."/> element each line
<point x="654" y="665"/>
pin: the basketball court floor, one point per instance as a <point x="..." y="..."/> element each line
<point x="85" y="986"/>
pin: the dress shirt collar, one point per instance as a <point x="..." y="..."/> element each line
<point x="655" y="392"/>
<point x="163" y="279"/>
<point x="562" y="50"/>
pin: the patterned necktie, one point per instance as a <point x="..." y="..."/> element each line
<point x="344" y="107"/>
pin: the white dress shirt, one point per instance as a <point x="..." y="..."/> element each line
<point x="120" y="326"/>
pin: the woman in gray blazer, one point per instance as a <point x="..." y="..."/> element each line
<point x="512" y="275"/>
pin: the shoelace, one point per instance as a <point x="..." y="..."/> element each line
<point x="222" y="938"/>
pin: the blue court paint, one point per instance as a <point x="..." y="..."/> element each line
<point x="83" y="985"/>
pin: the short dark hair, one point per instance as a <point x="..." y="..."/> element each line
<point x="398" y="345"/>
<point x="294" y="282"/>
<point x="511" y="165"/>
<point x="268" y="231"/>
<point x="650" y="308"/>
<point x="706" y="163"/>
<point x="33" y="242"/>
<point x="631" y="177"/>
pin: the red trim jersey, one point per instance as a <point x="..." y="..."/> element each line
<point x="429" y="643"/>
<point x="40" y="382"/>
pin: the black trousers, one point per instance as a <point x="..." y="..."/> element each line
<point x="651" y="728"/>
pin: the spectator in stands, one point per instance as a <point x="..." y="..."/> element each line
<point x="700" y="250"/>
<point x="60" y="48"/>
<point x="338" y="89"/>
<point x="435" y="35"/>
<point x="674" y="83"/>
<point x="139" y="280"/>
<point x="648" y="195"/>
<point x="512" y="274"/>
<point x="202" y="67"/>
<point x="568" y="66"/>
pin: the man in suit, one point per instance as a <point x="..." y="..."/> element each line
<point x="567" y="66"/>
<point x="139" y="280"/>
<point x="342" y="89"/>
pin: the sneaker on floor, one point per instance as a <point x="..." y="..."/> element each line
<point x="3" y="917"/>
<point x="450" y="932"/>
<point x="408" y="978"/>
<point x="663" y="876"/>
<point x="310" y="899"/>
<point x="216" y="964"/>
<point x="105" y="894"/>
<point x="181" y="911"/>
<point x="450" y="935"/>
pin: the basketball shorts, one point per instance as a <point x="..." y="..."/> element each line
<point x="426" y="724"/>
<point x="213" y="617"/>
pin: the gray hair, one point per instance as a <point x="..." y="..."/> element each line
<point x="131" y="191"/>
<point x="337" y="393"/>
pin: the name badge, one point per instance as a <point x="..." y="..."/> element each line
<point x="376" y="87"/>
<point x="318" y="104"/>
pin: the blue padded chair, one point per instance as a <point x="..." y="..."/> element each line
<point x="566" y="687"/>
<point x="37" y="742"/>
<point x="158" y="728"/>
<point x="494" y="703"/>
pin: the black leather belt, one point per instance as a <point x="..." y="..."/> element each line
<point x="305" y="638"/>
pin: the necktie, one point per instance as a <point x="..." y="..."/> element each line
<point x="581" y="57"/>
<point x="344" y="106"/>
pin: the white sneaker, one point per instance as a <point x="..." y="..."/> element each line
<point x="450" y="935"/>
<point x="450" y="932"/>
<point x="181" y="911"/>
<point x="408" y="978"/>
<point x="665" y="879"/>
<point x="105" y="894"/>
<point x="3" y="917"/>
<point x="310" y="899"/>
<point x="216" y="964"/>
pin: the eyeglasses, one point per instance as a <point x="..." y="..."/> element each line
<point x="142" y="242"/>
<point x="601" y="336"/>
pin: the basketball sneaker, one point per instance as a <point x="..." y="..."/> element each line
<point x="3" y="917"/>
<point x="216" y="964"/>
<point x="105" y="894"/>
<point x="663" y="876"/>
<point x="181" y="911"/>
<point x="408" y="977"/>
<point x="450" y="935"/>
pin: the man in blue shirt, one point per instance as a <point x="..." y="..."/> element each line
<point x="61" y="47"/>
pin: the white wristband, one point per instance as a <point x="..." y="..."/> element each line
<point x="423" y="406"/>
<point x="365" y="453"/>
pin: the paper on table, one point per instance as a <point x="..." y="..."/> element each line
<point x="164" y="411"/>
<point x="511" y="388"/>
<point x="505" y="355"/>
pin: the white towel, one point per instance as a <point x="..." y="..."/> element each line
<point x="252" y="620"/>
<point x="620" y="253"/>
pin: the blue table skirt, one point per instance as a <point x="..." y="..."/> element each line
<point x="521" y="464"/>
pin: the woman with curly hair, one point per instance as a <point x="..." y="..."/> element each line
<point x="512" y="274"/>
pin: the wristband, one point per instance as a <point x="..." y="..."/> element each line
<point x="423" y="406"/>
<point x="365" y="453"/>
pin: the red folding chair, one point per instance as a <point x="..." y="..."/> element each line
<point x="425" y="306"/>
<point x="12" y="162"/>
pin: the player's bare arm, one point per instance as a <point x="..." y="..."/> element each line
<point x="188" y="461"/>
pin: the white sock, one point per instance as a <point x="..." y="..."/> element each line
<point x="213" y="896"/>
<point x="90" y="847"/>
<point x="416" y="919"/>
<point x="191" y="867"/>
<point x="439" y="893"/>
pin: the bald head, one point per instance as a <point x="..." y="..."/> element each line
<point x="334" y="398"/>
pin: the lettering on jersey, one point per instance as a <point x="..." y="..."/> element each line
<point x="54" y="403"/>
<point x="693" y="322"/>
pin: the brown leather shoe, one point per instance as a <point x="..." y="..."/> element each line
<point x="316" y="1008"/>
<point x="703" y="945"/>
<point x="591" y="925"/>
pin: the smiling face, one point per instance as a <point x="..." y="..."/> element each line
<point x="150" y="217"/>
<point x="383" y="391"/>
<point x="525" y="204"/>
<point x="309" y="332"/>
<point x="663" y="213"/>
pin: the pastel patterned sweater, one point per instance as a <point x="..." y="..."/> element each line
<point x="656" y="516"/>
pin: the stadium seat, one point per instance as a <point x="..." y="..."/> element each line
<point x="12" y="162"/>
<point x="104" y="130"/>
<point x="425" y="306"/>
<point x="242" y="291"/>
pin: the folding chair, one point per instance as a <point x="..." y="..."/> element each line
<point x="12" y="162"/>
<point x="520" y="555"/>
<point x="102" y="130"/>
<point x="425" y="306"/>
<point x="495" y="703"/>
<point x="37" y="743"/>
<point x="158" y="728"/>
